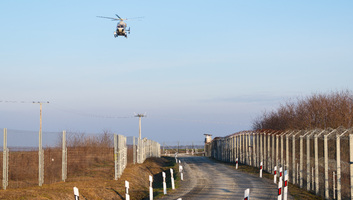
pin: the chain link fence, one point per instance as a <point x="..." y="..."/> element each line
<point x="320" y="161"/>
<point x="69" y="156"/>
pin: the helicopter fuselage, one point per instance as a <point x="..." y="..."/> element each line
<point x="121" y="29"/>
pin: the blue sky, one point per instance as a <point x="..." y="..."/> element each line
<point x="195" y="67"/>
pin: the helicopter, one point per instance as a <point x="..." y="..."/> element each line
<point x="121" y="27"/>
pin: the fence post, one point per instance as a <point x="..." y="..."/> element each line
<point x="351" y="162"/>
<point x="308" y="162"/>
<point x="5" y="162"/>
<point x="333" y="185"/>
<point x="241" y="148"/>
<point x="277" y="163"/>
<point x="316" y="164"/>
<point x="258" y="149"/>
<point x="268" y="152"/>
<point x="115" y="157"/>
<point x="265" y="155"/>
<point x="261" y="149"/>
<point x="301" y="161"/>
<point x="326" y="167"/>
<point x="64" y="158"/>
<point x="287" y="153"/>
<point x="134" y="153"/>
<point x="273" y="150"/>
<point x="282" y="148"/>
<point x="293" y="158"/>
<point x="338" y="160"/>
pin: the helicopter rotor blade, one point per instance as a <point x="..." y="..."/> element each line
<point x="118" y="16"/>
<point x="134" y="18"/>
<point x="114" y="19"/>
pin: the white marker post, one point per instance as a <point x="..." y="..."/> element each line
<point x="285" y="189"/>
<point x="275" y="175"/>
<point x="279" y="190"/>
<point x="164" y="184"/>
<point x="76" y="193"/>
<point x="236" y="163"/>
<point x="172" y="178"/>
<point x="127" y="196"/>
<point x="247" y="194"/>
<point x="181" y="172"/>
<point x="151" y="189"/>
<point x="261" y="170"/>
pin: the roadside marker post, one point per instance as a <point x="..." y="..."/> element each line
<point x="261" y="170"/>
<point x="247" y="194"/>
<point x="181" y="172"/>
<point x="285" y="189"/>
<point x="275" y="175"/>
<point x="76" y="193"/>
<point x="151" y="189"/>
<point x="236" y="163"/>
<point x="164" y="184"/>
<point x="279" y="190"/>
<point x="127" y="196"/>
<point x="172" y="178"/>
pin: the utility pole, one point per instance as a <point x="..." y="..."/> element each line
<point x="139" y="116"/>
<point x="40" y="150"/>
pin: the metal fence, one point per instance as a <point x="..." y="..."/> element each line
<point x="69" y="156"/>
<point x="320" y="161"/>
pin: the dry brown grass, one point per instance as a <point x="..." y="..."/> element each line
<point x="316" y="111"/>
<point x="94" y="183"/>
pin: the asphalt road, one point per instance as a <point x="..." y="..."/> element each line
<point x="207" y="179"/>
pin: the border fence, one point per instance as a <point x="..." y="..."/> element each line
<point x="321" y="161"/>
<point x="75" y="156"/>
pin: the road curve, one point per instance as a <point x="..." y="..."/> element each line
<point x="207" y="179"/>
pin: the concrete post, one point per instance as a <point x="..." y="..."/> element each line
<point x="308" y="162"/>
<point x="268" y="152"/>
<point x="277" y="147"/>
<point x="351" y="162"/>
<point x="5" y="162"/>
<point x="265" y="155"/>
<point x="301" y="162"/>
<point x="64" y="158"/>
<point x="326" y="167"/>
<point x="293" y="158"/>
<point x="282" y="150"/>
